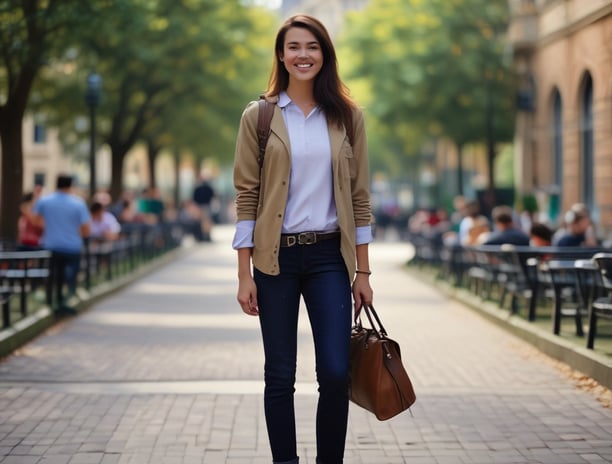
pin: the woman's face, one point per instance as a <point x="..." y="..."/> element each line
<point x="302" y="54"/>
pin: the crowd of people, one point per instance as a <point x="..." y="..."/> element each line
<point x="467" y="225"/>
<point x="61" y="220"/>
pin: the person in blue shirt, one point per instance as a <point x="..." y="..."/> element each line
<point x="66" y="221"/>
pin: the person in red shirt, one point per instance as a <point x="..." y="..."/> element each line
<point x="28" y="234"/>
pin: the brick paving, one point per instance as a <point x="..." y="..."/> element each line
<point x="169" y="370"/>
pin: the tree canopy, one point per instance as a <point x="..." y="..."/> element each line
<point x="178" y="70"/>
<point x="434" y="68"/>
<point x="32" y="33"/>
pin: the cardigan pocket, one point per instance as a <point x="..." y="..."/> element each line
<point x="348" y="160"/>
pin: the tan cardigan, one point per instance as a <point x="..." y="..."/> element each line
<point x="264" y="202"/>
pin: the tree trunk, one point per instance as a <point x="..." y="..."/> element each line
<point x="12" y="172"/>
<point x="116" y="187"/>
<point x="416" y="182"/>
<point x="490" y="196"/>
<point x="11" y="131"/>
<point x="460" y="169"/>
<point x="152" y="152"/>
<point x="177" y="178"/>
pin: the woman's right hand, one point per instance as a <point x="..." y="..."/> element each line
<point x="247" y="296"/>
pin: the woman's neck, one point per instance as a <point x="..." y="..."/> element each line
<point x="301" y="92"/>
<point x="303" y="96"/>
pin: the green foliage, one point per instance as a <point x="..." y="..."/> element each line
<point x="32" y="33"/>
<point x="504" y="167"/>
<point x="176" y="73"/>
<point x="435" y="68"/>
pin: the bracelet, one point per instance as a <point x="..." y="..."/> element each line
<point x="363" y="272"/>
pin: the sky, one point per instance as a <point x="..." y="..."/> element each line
<point x="273" y="4"/>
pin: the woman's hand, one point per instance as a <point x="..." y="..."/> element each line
<point x="247" y="295"/>
<point x="362" y="292"/>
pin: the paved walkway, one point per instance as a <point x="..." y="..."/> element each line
<point x="169" y="371"/>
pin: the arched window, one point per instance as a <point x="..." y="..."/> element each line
<point x="557" y="141"/>
<point x="586" y="142"/>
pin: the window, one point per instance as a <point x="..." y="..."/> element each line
<point x="39" y="178"/>
<point x="587" y="142"/>
<point x="40" y="133"/>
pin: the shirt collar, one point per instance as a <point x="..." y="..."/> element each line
<point x="283" y="99"/>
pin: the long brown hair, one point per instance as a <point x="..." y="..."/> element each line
<point x="330" y="93"/>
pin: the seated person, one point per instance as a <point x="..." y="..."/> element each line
<point x="104" y="226"/>
<point x="540" y="235"/>
<point x="478" y="231"/>
<point x="29" y="235"/>
<point x="578" y="230"/>
<point x="504" y="229"/>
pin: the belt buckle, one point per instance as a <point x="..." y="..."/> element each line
<point x="291" y="240"/>
<point x="307" y="238"/>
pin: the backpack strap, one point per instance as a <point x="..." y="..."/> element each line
<point x="266" y="111"/>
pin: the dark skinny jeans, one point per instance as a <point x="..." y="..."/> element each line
<point x="317" y="273"/>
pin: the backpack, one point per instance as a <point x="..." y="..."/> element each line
<point x="266" y="111"/>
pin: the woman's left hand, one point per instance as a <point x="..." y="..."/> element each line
<point x="362" y="291"/>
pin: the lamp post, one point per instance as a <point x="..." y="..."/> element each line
<point x="92" y="98"/>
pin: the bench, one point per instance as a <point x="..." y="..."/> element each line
<point x="531" y="274"/>
<point x="566" y="273"/>
<point x="21" y="272"/>
<point x="601" y="306"/>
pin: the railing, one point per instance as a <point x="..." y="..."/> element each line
<point x="562" y="281"/>
<point x="26" y="280"/>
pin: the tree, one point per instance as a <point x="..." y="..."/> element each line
<point x="203" y="123"/>
<point x="172" y="72"/>
<point x="31" y="33"/>
<point x="437" y="67"/>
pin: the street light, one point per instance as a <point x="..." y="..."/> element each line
<point x="92" y="98"/>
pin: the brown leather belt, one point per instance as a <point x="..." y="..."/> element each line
<point x="306" y="238"/>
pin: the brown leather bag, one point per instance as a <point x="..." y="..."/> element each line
<point x="379" y="382"/>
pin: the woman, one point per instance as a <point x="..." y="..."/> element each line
<point x="29" y="235"/>
<point x="304" y="220"/>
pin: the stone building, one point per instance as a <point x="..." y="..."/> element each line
<point x="562" y="50"/>
<point x="44" y="157"/>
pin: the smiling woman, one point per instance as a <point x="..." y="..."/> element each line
<point x="312" y="183"/>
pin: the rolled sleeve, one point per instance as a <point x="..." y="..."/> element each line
<point x="363" y="235"/>
<point x="243" y="236"/>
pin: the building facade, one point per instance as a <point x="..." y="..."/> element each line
<point x="562" y="51"/>
<point x="43" y="156"/>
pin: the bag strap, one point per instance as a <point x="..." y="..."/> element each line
<point x="400" y="378"/>
<point x="266" y="111"/>
<point x="372" y="316"/>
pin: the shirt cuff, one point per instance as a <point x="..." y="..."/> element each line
<point x="243" y="236"/>
<point x="363" y="235"/>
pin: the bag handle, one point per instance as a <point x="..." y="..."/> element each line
<point x="264" y="120"/>
<point x="372" y="316"/>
